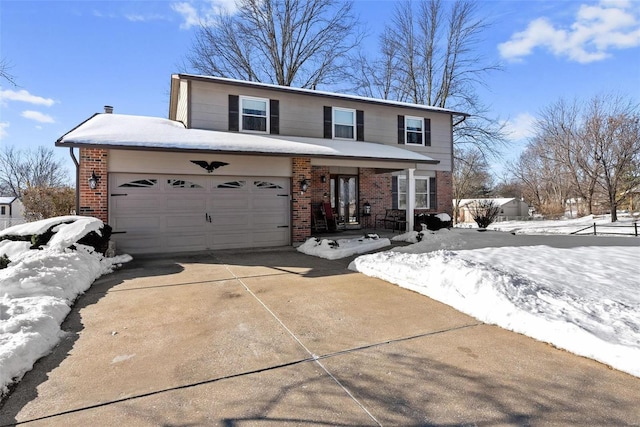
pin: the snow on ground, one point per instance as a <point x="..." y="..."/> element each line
<point x="38" y="288"/>
<point x="624" y="225"/>
<point x="341" y="248"/>
<point x="583" y="299"/>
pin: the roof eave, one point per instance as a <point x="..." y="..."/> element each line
<point x="60" y="143"/>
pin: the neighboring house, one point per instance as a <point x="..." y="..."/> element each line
<point x="510" y="209"/>
<point x="242" y="164"/>
<point x="11" y="212"/>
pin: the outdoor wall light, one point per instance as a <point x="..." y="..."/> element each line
<point x="93" y="180"/>
<point x="304" y="185"/>
<point x="323" y="179"/>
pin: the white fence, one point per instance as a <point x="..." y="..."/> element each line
<point x="10" y="222"/>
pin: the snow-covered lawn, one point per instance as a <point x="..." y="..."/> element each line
<point x="38" y="288"/>
<point x="624" y="225"/>
<point x="584" y="299"/>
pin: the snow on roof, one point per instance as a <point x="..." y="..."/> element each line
<point x="7" y="200"/>
<point x="119" y="130"/>
<point x="321" y="93"/>
<point x="498" y="201"/>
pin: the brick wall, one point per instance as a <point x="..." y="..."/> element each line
<point x="93" y="202"/>
<point x="301" y="206"/>
<point x="375" y="189"/>
<point x="444" y="184"/>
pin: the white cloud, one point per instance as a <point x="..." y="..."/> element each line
<point x="205" y="13"/>
<point x="596" y="30"/>
<point x="520" y="127"/>
<point x="37" y="116"/>
<point x="144" y="18"/>
<point x="24" y="96"/>
<point x="3" y="132"/>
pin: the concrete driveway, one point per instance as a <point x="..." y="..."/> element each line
<point x="279" y="338"/>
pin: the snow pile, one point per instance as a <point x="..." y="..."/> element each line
<point x="39" y="286"/>
<point x="341" y="248"/>
<point x="440" y="239"/>
<point x="585" y="300"/>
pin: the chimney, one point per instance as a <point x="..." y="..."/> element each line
<point x="108" y="109"/>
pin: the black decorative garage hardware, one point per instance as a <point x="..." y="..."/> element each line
<point x="209" y="166"/>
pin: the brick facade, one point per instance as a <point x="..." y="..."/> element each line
<point x="301" y="202"/>
<point x="375" y="189"/>
<point x="444" y="184"/>
<point x="94" y="202"/>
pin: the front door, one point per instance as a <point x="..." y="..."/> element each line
<point x="344" y="198"/>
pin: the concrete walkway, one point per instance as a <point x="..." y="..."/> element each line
<point x="279" y="338"/>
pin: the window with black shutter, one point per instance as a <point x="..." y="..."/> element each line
<point x="274" y="116"/>
<point x="400" y="129"/>
<point x="234" y="113"/>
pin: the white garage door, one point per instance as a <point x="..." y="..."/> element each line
<point x="166" y="213"/>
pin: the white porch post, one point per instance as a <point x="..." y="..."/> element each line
<point x="411" y="198"/>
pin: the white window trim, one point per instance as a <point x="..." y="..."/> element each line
<point x="333" y="122"/>
<point x="253" y="98"/>
<point x="428" y="194"/>
<point x="406" y="130"/>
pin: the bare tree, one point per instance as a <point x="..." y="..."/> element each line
<point x="587" y="151"/>
<point x="5" y="66"/>
<point x="429" y="55"/>
<point x="471" y="177"/>
<point x="612" y="128"/>
<point x="47" y="202"/>
<point x="20" y="169"/>
<point x="301" y="43"/>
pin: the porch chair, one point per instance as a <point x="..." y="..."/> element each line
<point x="327" y="211"/>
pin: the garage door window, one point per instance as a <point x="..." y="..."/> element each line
<point x="233" y="184"/>
<point x="140" y="183"/>
<point x="266" y="184"/>
<point x="180" y="183"/>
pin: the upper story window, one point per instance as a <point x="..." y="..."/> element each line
<point x="344" y="123"/>
<point x="255" y="113"/>
<point x="414" y="130"/>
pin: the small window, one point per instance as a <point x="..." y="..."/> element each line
<point x="3" y="210"/>
<point x="422" y="193"/>
<point x="255" y="113"/>
<point x="140" y="183"/>
<point x="232" y="184"/>
<point x="180" y="183"/>
<point x="414" y="129"/>
<point x="344" y="123"/>
<point x="266" y="184"/>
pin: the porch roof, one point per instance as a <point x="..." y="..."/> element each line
<point x="154" y="133"/>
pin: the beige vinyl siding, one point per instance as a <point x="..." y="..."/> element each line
<point x="182" y="114"/>
<point x="180" y="163"/>
<point x="302" y="115"/>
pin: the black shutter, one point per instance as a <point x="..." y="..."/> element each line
<point x="274" y="116"/>
<point x="394" y="192"/>
<point x="433" y="198"/>
<point x="234" y="113"/>
<point x="427" y="132"/>
<point x="400" y="129"/>
<point x="328" y="133"/>
<point x="359" y="125"/>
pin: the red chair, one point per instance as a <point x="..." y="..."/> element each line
<point x="327" y="211"/>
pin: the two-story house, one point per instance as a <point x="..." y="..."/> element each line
<point x="243" y="164"/>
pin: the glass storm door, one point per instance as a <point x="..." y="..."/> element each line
<point x="345" y="198"/>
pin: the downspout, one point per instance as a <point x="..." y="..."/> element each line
<point x="75" y="161"/>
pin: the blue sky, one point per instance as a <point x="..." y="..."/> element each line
<point x="69" y="58"/>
